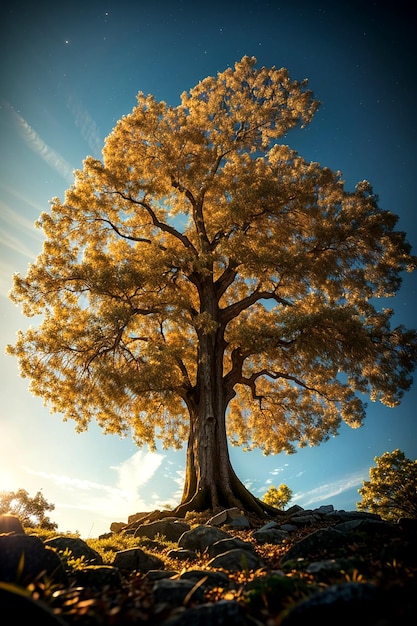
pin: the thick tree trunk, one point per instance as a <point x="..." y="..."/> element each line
<point x="210" y="481"/>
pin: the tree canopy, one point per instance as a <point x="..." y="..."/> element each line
<point x="391" y="490"/>
<point x="203" y="280"/>
<point x="278" y="496"/>
<point x="30" y="511"/>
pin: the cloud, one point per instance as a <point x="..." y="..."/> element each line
<point x="327" y="491"/>
<point x="103" y="500"/>
<point x="35" y="142"/>
<point x="83" y="120"/>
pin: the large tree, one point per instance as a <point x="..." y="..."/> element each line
<point x="204" y="281"/>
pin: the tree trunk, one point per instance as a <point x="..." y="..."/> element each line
<point x="210" y="481"/>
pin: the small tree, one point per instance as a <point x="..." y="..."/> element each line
<point x="392" y="489"/>
<point x="278" y="497"/>
<point x="203" y="282"/>
<point x="30" y="511"/>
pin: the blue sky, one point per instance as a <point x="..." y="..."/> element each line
<point x="70" y="70"/>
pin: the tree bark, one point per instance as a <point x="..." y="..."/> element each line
<point x="210" y="481"/>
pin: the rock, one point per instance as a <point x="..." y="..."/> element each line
<point x="325" y="509"/>
<point x="136" y="560"/>
<point x="17" y="607"/>
<point x="183" y="554"/>
<point x="170" y="529"/>
<point x="338" y="604"/>
<point x="212" y="579"/>
<point x="78" y="547"/>
<point x="98" y="577"/>
<point x="236" y="560"/>
<point x="272" y="535"/>
<point x="221" y="613"/>
<point x="239" y="523"/>
<point x="174" y="592"/>
<point x="117" y="527"/>
<point x="218" y="547"/>
<point x="228" y="516"/>
<point x="315" y="543"/>
<point x="201" y="537"/>
<point x="10" y="524"/>
<point x="24" y="558"/>
<point x="369" y="526"/>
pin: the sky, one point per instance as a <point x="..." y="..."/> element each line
<point x="69" y="72"/>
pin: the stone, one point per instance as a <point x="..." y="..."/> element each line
<point x="369" y="526"/>
<point x="236" y="560"/>
<point x="218" y="547"/>
<point x="25" y="557"/>
<point x="10" y="524"/>
<point x="338" y="604"/>
<point x="272" y="535"/>
<point x="239" y="523"/>
<point x="201" y="537"/>
<point x="78" y="547"/>
<point x="325" y="509"/>
<point x="136" y="560"/>
<point x="221" y="613"/>
<point x="98" y="577"/>
<point x="168" y="591"/>
<point x="316" y="542"/>
<point x="17" y="607"/>
<point x="183" y="554"/>
<point x="170" y="529"/>
<point x="224" y="517"/>
<point x="211" y="579"/>
<point x="117" y="527"/>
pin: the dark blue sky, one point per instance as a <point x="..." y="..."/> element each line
<point x="69" y="71"/>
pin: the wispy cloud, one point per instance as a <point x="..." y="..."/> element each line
<point x="113" y="502"/>
<point x="35" y="142"/>
<point x="87" y="126"/>
<point x="325" y="492"/>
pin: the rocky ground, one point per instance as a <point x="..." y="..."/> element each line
<point x="332" y="566"/>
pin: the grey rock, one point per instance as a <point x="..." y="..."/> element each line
<point x="170" y="529"/>
<point x="98" y="577"/>
<point x="201" y="537"/>
<point x="369" y="526"/>
<point x="347" y="516"/>
<point x="290" y="528"/>
<point x="240" y="523"/>
<point x="303" y="520"/>
<point x="17" y="607"/>
<point x="268" y="526"/>
<point x="10" y="524"/>
<point x="338" y="604"/>
<point x="274" y="535"/>
<point x="236" y="560"/>
<point x="183" y="554"/>
<point x="211" y="579"/>
<point x="221" y="613"/>
<point x="174" y="592"/>
<point x="317" y="541"/>
<point x="77" y="547"/>
<point x="25" y="557"/>
<point x="224" y="517"/>
<point x="219" y="547"/>
<point x="325" y="509"/>
<point x="135" y="559"/>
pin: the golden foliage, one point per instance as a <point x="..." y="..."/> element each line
<point x="200" y="246"/>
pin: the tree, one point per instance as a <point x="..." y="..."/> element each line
<point x="204" y="281"/>
<point x="392" y="489"/>
<point x="278" y="497"/>
<point x="30" y="511"/>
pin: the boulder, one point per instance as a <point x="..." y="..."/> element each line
<point x="170" y="529"/>
<point x="78" y="547"/>
<point x="24" y="558"/>
<point x="201" y="537"/>
<point x="218" y="547"/>
<point x="315" y="543"/>
<point x="10" y="524"/>
<point x="236" y="560"/>
<point x="136" y="560"/>
<point x="271" y="535"/>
